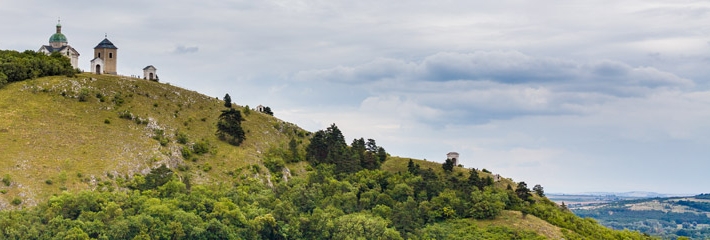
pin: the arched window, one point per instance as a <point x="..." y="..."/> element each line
<point x="110" y="55"/>
<point x="98" y="55"/>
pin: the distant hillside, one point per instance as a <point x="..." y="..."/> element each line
<point x="669" y="217"/>
<point x="63" y="133"/>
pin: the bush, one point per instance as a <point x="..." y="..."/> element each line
<point x="201" y="147"/>
<point x="118" y="99"/>
<point x="182" y="138"/>
<point x="159" y="134"/>
<point x="126" y="115"/>
<point x="186" y="152"/>
<point x="83" y="95"/>
<point x="48" y="182"/>
<point x="101" y="97"/>
<point x="107" y="121"/>
<point x="7" y="180"/>
<point x="16" y="201"/>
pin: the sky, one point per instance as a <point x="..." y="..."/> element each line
<point x="578" y="96"/>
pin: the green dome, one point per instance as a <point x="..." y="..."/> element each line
<point x="58" y="37"/>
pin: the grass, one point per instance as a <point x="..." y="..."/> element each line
<point x="515" y="220"/>
<point x="46" y="132"/>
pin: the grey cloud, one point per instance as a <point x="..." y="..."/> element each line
<point x="180" y="49"/>
<point x="510" y="67"/>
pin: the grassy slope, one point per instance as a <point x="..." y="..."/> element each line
<point x="47" y="136"/>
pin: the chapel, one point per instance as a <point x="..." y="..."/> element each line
<point x="105" y="55"/>
<point x="58" y="43"/>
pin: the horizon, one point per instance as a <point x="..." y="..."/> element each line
<point x="575" y="96"/>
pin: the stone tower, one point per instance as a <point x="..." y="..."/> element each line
<point x="58" y="43"/>
<point x="105" y="58"/>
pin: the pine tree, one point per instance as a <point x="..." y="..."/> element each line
<point x="229" y="127"/>
<point x="227" y="101"/>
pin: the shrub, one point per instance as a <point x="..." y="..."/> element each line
<point x="126" y="115"/>
<point x="7" y="180"/>
<point x="3" y="191"/>
<point x="101" y="97"/>
<point x="107" y="121"/>
<point x="201" y="147"/>
<point x="16" y="201"/>
<point x="83" y="95"/>
<point x="182" y="138"/>
<point x="159" y="134"/>
<point x="186" y="152"/>
<point x="118" y="99"/>
<point x="48" y="182"/>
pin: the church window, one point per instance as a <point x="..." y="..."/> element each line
<point x="110" y="55"/>
<point x="99" y="55"/>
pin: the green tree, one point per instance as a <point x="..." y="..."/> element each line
<point x="448" y="165"/>
<point x="413" y="168"/>
<point x="267" y="110"/>
<point x="227" y="101"/>
<point x="229" y="127"/>
<point x="293" y="150"/>
<point x="523" y="192"/>
<point x="539" y="190"/>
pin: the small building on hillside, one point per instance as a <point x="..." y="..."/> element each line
<point x="260" y="108"/>
<point x="105" y="58"/>
<point x="454" y="156"/>
<point x="58" y="43"/>
<point x="149" y="73"/>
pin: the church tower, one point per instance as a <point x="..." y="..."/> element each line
<point x="105" y="56"/>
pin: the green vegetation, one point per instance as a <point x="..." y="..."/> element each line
<point x="16" y="66"/>
<point x="229" y="127"/>
<point x="116" y="135"/>
<point x="281" y="182"/>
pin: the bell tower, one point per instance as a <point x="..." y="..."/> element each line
<point x="108" y="55"/>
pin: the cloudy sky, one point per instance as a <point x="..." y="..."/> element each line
<point x="574" y="95"/>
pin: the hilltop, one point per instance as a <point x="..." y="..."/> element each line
<point x="63" y="133"/>
<point x="112" y="157"/>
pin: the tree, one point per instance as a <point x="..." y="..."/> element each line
<point x="227" y="101"/>
<point x="522" y="191"/>
<point x="538" y="190"/>
<point x="474" y="180"/>
<point x="293" y="149"/>
<point x="267" y="110"/>
<point x="381" y="154"/>
<point x="448" y="165"/>
<point x="413" y="168"/>
<point x="229" y="127"/>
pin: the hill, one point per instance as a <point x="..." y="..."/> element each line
<point x="668" y="217"/>
<point x="111" y="157"/>
<point x="61" y="133"/>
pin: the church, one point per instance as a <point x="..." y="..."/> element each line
<point x="58" y="43"/>
<point x="105" y="55"/>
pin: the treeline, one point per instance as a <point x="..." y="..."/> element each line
<point x="354" y="201"/>
<point x="17" y="66"/>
